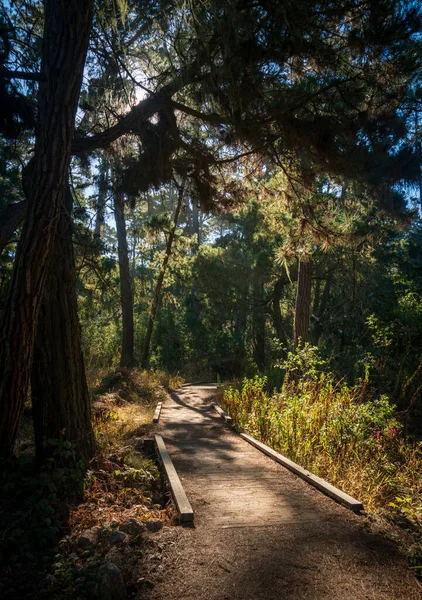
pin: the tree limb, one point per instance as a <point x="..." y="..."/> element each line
<point x="22" y="75"/>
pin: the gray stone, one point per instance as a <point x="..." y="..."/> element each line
<point x="115" y="537"/>
<point x="88" y="539"/>
<point x="154" y="525"/>
<point x="110" y="584"/>
<point x="133" y="527"/>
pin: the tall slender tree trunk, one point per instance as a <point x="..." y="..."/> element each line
<point x="66" y="35"/>
<point x="321" y="307"/>
<point x="157" y="290"/>
<point x="303" y="304"/>
<point x="419" y="156"/>
<point x="60" y="399"/>
<point x="196" y="225"/>
<point x="276" y="311"/>
<point x="101" y="199"/>
<point x="258" y="319"/>
<point x="126" y="290"/>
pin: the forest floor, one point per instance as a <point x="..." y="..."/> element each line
<point x="54" y="546"/>
<point x="260" y="532"/>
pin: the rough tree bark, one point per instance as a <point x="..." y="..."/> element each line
<point x="126" y="290"/>
<point x="303" y="304"/>
<point x="66" y="35"/>
<point x="61" y="405"/>
<point x="158" y="285"/>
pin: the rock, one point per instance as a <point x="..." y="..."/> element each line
<point x="113" y="524"/>
<point x="88" y="539"/>
<point x="139" y="444"/>
<point x="110" y="584"/>
<point x="133" y="527"/>
<point x="154" y="525"/>
<point x="115" y="537"/>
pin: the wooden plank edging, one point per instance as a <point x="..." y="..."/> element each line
<point x="189" y="383"/>
<point x="183" y="506"/>
<point x="157" y="412"/>
<point x="317" y="482"/>
<point x="222" y="414"/>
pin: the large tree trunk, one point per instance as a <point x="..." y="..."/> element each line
<point x="303" y="304"/>
<point x="66" y="35"/>
<point x="60" y="398"/>
<point x="158" y="285"/>
<point x="126" y="290"/>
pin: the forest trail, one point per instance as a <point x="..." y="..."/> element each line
<point x="260" y="532"/>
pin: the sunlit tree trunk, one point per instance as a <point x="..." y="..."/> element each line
<point x="66" y="33"/>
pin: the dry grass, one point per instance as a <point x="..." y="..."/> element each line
<point x="353" y="441"/>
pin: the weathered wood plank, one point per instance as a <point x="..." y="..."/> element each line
<point x="204" y="383"/>
<point x="222" y="414"/>
<point x="183" y="506"/>
<point x="317" y="482"/>
<point x="157" y="413"/>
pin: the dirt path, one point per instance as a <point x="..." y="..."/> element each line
<point x="261" y="532"/>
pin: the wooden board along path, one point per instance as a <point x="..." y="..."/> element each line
<point x="184" y="508"/>
<point x="157" y="412"/>
<point x="261" y="532"/>
<point x="320" y="484"/>
<point x="228" y="420"/>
